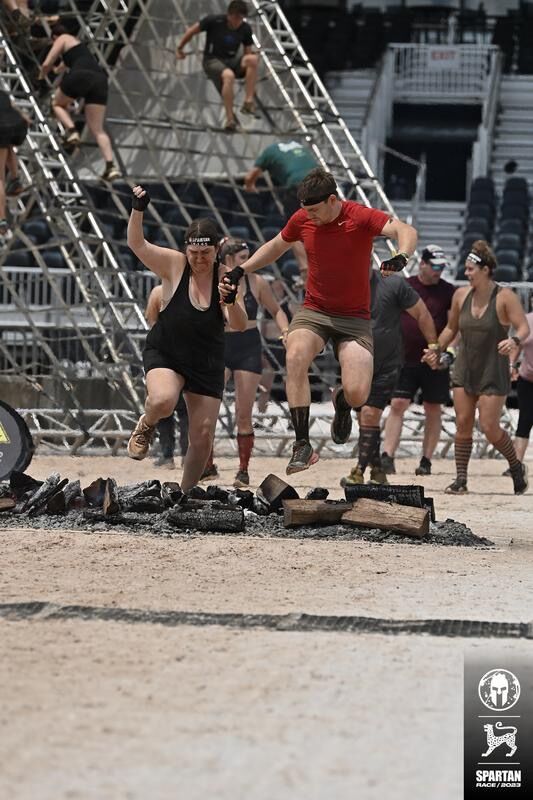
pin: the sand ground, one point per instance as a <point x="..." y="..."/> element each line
<point x="94" y="709"/>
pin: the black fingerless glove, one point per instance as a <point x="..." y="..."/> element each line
<point x="394" y="264"/>
<point x="140" y="203"/>
<point x="233" y="278"/>
<point x="446" y="359"/>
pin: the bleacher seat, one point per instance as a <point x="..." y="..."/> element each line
<point x="508" y="256"/>
<point x="507" y="273"/>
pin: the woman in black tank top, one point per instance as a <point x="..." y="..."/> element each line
<point x="185" y="348"/>
<point x="244" y="352"/>
<point x="482" y="314"/>
<point x="83" y="79"/>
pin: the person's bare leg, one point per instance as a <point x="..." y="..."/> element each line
<point x="432" y="429"/>
<point x="303" y="346"/>
<point x="3" y="160"/>
<point x="520" y="446"/>
<point x="60" y="102"/>
<point x="250" y="63"/>
<point x="203" y="414"/>
<point x="357" y="367"/>
<point x="246" y="384"/>
<point x="394" y="424"/>
<point x="95" y="115"/>
<point x="265" y="382"/>
<point x="12" y="163"/>
<point x="163" y="388"/>
<point x="228" y="81"/>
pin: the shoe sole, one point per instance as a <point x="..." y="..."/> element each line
<point x="205" y="478"/>
<point x="421" y="473"/>
<point x="299" y="468"/>
<point x="453" y="491"/>
<point x="240" y="485"/>
<point x="136" y="458"/>
<point x="344" y="483"/>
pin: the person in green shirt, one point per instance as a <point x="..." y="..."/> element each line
<point x="287" y="163"/>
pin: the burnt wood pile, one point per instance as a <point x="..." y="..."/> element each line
<point x="399" y="509"/>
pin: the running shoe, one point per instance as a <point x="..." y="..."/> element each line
<point x="230" y="126"/>
<point x="341" y="425"/>
<point x="14" y="187"/>
<point x="209" y="473"/>
<point x="424" y="468"/>
<point x="248" y="107"/>
<point x="241" y="479"/>
<point x="110" y="174"/>
<point x="520" y="480"/>
<point x="140" y="440"/>
<point x="71" y="138"/>
<point x="378" y="476"/>
<point x="387" y="464"/>
<point x="457" y="487"/>
<point x="165" y="461"/>
<point x="356" y="477"/>
<point x="303" y="457"/>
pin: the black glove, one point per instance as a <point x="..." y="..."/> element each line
<point x="446" y="359"/>
<point x="140" y="203"/>
<point x="233" y="278"/>
<point x="394" y="264"/>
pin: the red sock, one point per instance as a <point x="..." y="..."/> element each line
<point x="245" y="442"/>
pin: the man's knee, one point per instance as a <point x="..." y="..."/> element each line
<point x="298" y="359"/>
<point x="433" y="410"/>
<point x="227" y="77"/>
<point x="163" y="406"/>
<point x="357" y="396"/>
<point x="250" y="60"/>
<point x="399" y="405"/>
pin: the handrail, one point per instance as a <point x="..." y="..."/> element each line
<point x="482" y="149"/>
<point x="378" y="116"/>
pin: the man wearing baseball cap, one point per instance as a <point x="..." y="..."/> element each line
<point x="434" y="384"/>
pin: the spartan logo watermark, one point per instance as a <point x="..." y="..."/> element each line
<point x="499" y="689"/>
<point x="498" y="726"/>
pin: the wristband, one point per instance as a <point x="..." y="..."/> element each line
<point x="433" y="346"/>
<point x="517" y="341"/>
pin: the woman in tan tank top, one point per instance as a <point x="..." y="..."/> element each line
<point x="482" y="314"/>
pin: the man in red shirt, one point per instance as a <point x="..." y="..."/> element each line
<point x="338" y="237"/>
<point x="434" y="384"/>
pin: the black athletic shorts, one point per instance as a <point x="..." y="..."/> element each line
<point x="87" y="83"/>
<point x="382" y="387"/>
<point x="13" y="130"/>
<point x="198" y="381"/>
<point x="434" y="383"/>
<point x="243" y="351"/>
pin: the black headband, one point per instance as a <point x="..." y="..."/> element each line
<point x="311" y="201"/>
<point x="202" y="241"/>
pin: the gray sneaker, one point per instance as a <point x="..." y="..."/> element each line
<point x="387" y="464"/>
<point x="303" y="457"/>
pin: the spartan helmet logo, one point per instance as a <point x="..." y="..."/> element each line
<point x="499" y="689"/>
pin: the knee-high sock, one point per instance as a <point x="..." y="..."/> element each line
<point x="245" y="443"/>
<point x="369" y="439"/>
<point x="463" y="451"/>
<point x="300" y="421"/>
<point x="506" y="448"/>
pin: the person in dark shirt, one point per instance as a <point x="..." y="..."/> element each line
<point x="223" y="61"/>
<point x="85" y="79"/>
<point x="435" y="384"/>
<point x="390" y="296"/>
<point x="13" y="130"/>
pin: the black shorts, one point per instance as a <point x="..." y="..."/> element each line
<point x="13" y="131"/>
<point x="243" y="351"/>
<point x="434" y="383"/>
<point x="87" y="83"/>
<point x="382" y="387"/>
<point x="207" y="382"/>
<point x="524" y="392"/>
<point x="214" y="67"/>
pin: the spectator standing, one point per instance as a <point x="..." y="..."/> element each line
<point x="437" y="294"/>
<point x="13" y="130"/>
<point x="222" y="61"/>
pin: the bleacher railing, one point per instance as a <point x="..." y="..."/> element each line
<point x="441" y="73"/>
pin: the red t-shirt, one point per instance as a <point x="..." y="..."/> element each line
<point x="339" y="253"/>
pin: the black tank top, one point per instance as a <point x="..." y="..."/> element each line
<point x="250" y="302"/>
<point x="80" y="57"/>
<point x="187" y="335"/>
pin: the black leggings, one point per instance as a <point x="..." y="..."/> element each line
<point x="524" y="392"/>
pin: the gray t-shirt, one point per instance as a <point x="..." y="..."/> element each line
<point x="389" y="297"/>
